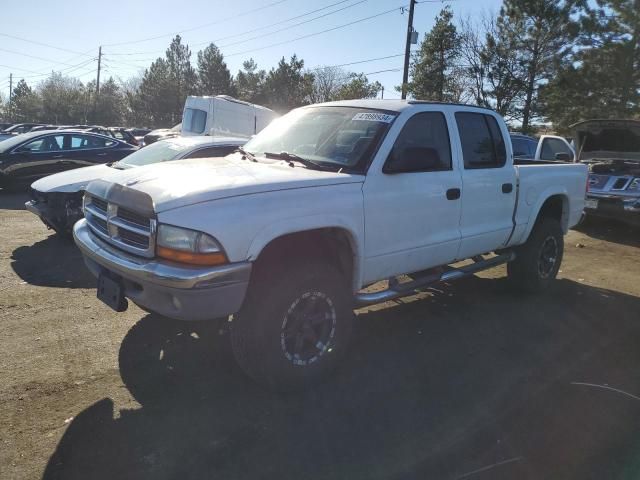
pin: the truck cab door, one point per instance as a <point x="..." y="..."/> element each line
<point x="551" y="147"/>
<point x="489" y="184"/>
<point x="412" y="206"/>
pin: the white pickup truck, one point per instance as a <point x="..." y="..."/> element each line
<point x="287" y="233"/>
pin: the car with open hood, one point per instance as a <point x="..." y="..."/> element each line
<point x="611" y="149"/>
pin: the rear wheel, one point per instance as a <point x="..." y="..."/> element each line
<point x="538" y="260"/>
<point x="294" y="326"/>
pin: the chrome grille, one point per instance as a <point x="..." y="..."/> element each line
<point x="123" y="228"/>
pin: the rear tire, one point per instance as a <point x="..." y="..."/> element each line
<point x="294" y="326"/>
<point x="537" y="261"/>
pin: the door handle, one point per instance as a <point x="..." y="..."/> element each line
<point x="101" y="155"/>
<point x="56" y="156"/>
<point x="507" y="187"/>
<point x="453" y="194"/>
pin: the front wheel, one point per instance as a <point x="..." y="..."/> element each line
<point x="294" y="327"/>
<point x="538" y="260"/>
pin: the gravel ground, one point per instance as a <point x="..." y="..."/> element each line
<point x="468" y="380"/>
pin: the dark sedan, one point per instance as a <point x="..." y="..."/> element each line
<point x="28" y="157"/>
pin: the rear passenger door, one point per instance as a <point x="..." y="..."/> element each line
<point x="412" y="206"/>
<point x="488" y="184"/>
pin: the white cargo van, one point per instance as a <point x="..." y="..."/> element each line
<point x="223" y="116"/>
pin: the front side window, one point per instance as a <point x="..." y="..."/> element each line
<point x="50" y="143"/>
<point x="342" y="137"/>
<point x="194" y="120"/>
<point x="422" y="145"/>
<point x="482" y="142"/>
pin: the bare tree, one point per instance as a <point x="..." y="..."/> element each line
<point x="327" y="82"/>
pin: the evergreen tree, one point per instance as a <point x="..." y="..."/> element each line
<point x="287" y="86"/>
<point x="358" y="87"/>
<point x="250" y="83"/>
<point x="539" y="31"/>
<point x="109" y="105"/>
<point x="182" y="76"/>
<point x="601" y="77"/>
<point x="214" y="77"/>
<point x="157" y="95"/>
<point x="25" y="103"/>
<point x="433" y="71"/>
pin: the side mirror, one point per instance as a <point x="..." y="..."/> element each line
<point x="563" y="157"/>
<point x="23" y="150"/>
<point x="413" y="159"/>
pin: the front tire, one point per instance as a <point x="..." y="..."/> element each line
<point x="537" y="261"/>
<point x="294" y="327"/>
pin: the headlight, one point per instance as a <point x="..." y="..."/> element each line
<point x="188" y="246"/>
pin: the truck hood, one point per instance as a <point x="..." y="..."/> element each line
<point x="607" y="140"/>
<point x="73" y="180"/>
<point x="176" y="184"/>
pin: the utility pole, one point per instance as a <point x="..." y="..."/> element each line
<point x="10" y="96"/>
<point x="407" y="50"/>
<point x="98" y="79"/>
<point x="95" y="101"/>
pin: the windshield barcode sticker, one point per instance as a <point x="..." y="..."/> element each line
<point x="373" y="117"/>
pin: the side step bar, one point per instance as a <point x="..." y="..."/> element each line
<point x="396" y="290"/>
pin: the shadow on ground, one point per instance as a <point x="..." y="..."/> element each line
<point x="611" y="231"/>
<point x="12" y="200"/>
<point x="471" y="378"/>
<point x="52" y="262"/>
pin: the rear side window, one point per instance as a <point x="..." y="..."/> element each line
<point x="212" y="152"/>
<point x="82" y="142"/>
<point x="194" y="120"/>
<point x="553" y="146"/>
<point x="422" y="145"/>
<point x="482" y="142"/>
<point x="520" y="148"/>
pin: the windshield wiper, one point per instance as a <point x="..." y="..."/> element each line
<point x="292" y="157"/>
<point x="246" y="154"/>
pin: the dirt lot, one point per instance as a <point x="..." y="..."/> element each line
<point x="465" y="381"/>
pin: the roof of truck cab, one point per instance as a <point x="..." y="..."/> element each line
<point x="393" y="105"/>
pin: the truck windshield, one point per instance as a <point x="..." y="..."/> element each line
<point x="194" y="120"/>
<point x="338" y="136"/>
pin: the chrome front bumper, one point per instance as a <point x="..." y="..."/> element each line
<point x="170" y="289"/>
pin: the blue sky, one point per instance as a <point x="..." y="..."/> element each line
<point x="78" y="27"/>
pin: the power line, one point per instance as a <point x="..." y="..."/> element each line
<point x="33" y="56"/>
<point x="357" y="62"/>
<point x="40" y="74"/>
<point x="275" y="31"/>
<point x="197" y="27"/>
<point x="246" y="32"/>
<point x="292" y="26"/>
<point x="43" y="44"/>
<point x="317" y="33"/>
